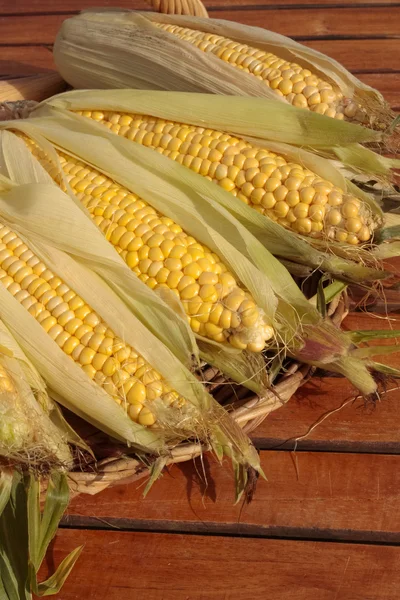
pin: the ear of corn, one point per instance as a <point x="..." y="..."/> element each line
<point x="284" y="191"/>
<point x="165" y="257"/>
<point x="28" y="437"/>
<point x="153" y="51"/>
<point x="281" y="189"/>
<point x="300" y="327"/>
<point x="102" y="369"/>
<point x="239" y="117"/>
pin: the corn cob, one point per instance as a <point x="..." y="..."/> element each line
<point x="299" y="86"/>
<point x="164" y="256"/>
<point x="287" y="193"/>
<point x="81" y="333"/>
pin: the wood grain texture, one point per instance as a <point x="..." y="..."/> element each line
<point x="20" y="61"/>
<point x="48" y="6"/>
<point x="302" y="23"/>
<point x="307" y="495"/>
<point x="142" y="566"/>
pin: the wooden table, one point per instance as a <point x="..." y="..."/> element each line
<point x="326" y="525"/>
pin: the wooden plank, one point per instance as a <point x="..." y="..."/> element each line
<point x="133" y="566"/>
<point x="20" y="61"/>
<point x="48" y="6"/>
<point x="360" y="56"/>
<point x="317" y="495"/>
<point x="358" y="426"/>
<point x="382" y="22"/>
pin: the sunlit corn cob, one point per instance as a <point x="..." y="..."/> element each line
<point x="297" y="85"/>
<point x="164" y="256"/>
<point x="284" y="191"/>
<point x="81" y="333"/>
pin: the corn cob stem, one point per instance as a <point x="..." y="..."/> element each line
<point x="164" y="256"/>
<point x="286" y="192"/>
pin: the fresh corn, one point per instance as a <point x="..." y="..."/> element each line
<point x="164" y="256"/>
<point x="297" y="85"/>
<point x="149" y="51"/>
<point x="287" y="193"/>
<point x="81" y="333"/>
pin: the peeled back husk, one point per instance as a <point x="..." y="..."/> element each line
<point x="117" y="49"/>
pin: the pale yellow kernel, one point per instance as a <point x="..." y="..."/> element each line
<point x="268" y="200"/>
<point x="134" y="411"/>
<point x="70" y="344"/>
<point x="301" y="210"/>
<point x="335" y="198"/>
<point x="190" y="291"/>
<point x="236" y="342"/>
<point x="364" y="234"/>
<point x="350" y="210"/>
<point x="99" y="360"/>
<point x="334" y="217"/>
<point x="303" y="225"/>
<point x="316" y="213"/>
<point x="88" y="369"/>
<point x="285" y="86"/>
<point x="353" y="225"/>
<point x="300" y="101"/>
<point x="110" y="366"/>
<point x="281" y="209"/>
<point x="178" y="251"/>
<point x="146" y="417"/>
<point x="292" y="198"/>
<point x="293" y="183"/>
<point x="306" y="195"/>
<point x="234" y="300"/>
<point x="154" y="390"/>
<point x="256" y="346"/>
<point x="341" y="236"/>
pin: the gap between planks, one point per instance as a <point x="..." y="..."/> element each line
<point x="308" y="496"/>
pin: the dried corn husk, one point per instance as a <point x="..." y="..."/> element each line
<point x="115" y="48"/>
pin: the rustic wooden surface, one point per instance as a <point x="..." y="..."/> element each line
<point x="326" y="524"/>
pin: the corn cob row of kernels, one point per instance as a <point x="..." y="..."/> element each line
<point x="286" y="192"/>
<point x="81" y="333"/>
<point x="299" y="86"/>
<point x="164" y="256"/>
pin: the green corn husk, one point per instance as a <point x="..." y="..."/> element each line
<point x="168" y="186"/>
<point x="26" y="532"/>
<point x="282" y="129"/>
<point x="29" y="438"/>
<point x="124" y="49"/>
<point x="44" y="217"/>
